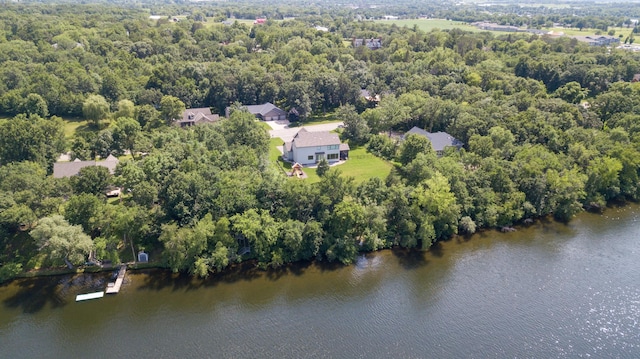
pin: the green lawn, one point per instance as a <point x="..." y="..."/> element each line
<point x="72" y="125"/>
<point x="361" y="165"/>
<point x="317" y="119"/>
<point x="264" y="125"/>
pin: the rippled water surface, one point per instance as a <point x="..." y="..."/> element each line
<point x="546" y="291"/>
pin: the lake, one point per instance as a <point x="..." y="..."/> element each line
<point x="549" y="290"/>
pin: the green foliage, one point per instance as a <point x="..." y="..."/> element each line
<point x="95" y="108"/>
<point x="62" y="241"/>
<point x="9" y="271"/>
<point x="31" y="139"/>
<point x="92" y="180"/>
<point x="171" y="108"/>
<point x="323" y="167"/>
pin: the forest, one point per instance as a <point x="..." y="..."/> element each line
<point x="550" y="127"/>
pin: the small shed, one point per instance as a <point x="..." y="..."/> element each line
<point x="143" y="257"/>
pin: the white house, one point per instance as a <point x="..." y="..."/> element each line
<point x="308" y="148"/>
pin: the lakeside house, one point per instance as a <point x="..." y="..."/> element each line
<point x="308" y="148"/>
<point x="439" y="140"/>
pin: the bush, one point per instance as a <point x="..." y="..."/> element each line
<point x="9" y="271"/>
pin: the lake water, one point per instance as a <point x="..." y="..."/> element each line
<point x="546" y="291"/>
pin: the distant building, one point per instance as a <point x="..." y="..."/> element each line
<point x="70" y="169"/>
<point x="490" y="26"/>
<point x="439" y="140"/>
<point x="259" y="21"/>
<point x="372" y="44"/>
<point x="598" y="40"/>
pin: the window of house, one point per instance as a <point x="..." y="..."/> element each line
<point x="310" y="158"/>
<point x="332" y="147"/>
<point x="332" y="156"/>
<point x="319" y="148"/>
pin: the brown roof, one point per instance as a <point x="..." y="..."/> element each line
<point x="305" y="138"/>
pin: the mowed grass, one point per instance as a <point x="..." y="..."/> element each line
<point x="73" y="125"/>
<point x="317" y="119"/>
<point x="361" y="165"/>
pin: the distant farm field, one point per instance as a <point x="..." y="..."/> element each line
<point x="430" y="24"/>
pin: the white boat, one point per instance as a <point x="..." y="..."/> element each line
<point x="96" y="295"/>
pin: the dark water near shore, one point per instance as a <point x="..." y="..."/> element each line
<point x="546" y="291"/>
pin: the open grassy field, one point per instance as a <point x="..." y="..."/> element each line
<point x="430" y="24"/>
<point x="574" y="31"/>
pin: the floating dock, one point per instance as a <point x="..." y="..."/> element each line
<point x="96" y="295"/>
<point x="114" y="287"/>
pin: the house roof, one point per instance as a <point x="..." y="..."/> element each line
<point x="198" y="115"/>
<point x="439" y="140"/>
<point x="305" y="138"/>
<point x="264" y="109"/>
<point x="69" y="169"/>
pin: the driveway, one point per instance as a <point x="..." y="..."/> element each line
<point x="281" y="129"/>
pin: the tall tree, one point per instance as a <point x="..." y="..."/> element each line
<point x="62" y="241"/>
<point x="171" y="108"/>
<point x="95" y="108"/>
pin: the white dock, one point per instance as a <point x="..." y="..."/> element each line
<point x="114" y="287"/>
<point x="96" y="295"/>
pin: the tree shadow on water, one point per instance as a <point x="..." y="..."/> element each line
<point x="35" y="294"/>
<point x="410" y="258"/>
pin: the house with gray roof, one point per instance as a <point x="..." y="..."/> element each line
<point x="265" y="112"/>
<point x="309" y="148"/>
<point x="196" y="116"/>
<point x="69" y="169"/>
<point x="439" y="140"/>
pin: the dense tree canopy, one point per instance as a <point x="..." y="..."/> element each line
<point x="548" y="126"/>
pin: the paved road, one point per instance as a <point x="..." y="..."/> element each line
<point x="281" y="129"/>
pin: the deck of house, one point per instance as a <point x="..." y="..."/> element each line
<point x="114" y="287"/>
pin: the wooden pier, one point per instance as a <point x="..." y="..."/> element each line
<point x="114" y="287"/>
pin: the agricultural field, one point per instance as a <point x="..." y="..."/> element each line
<point x="431" y="24"/>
